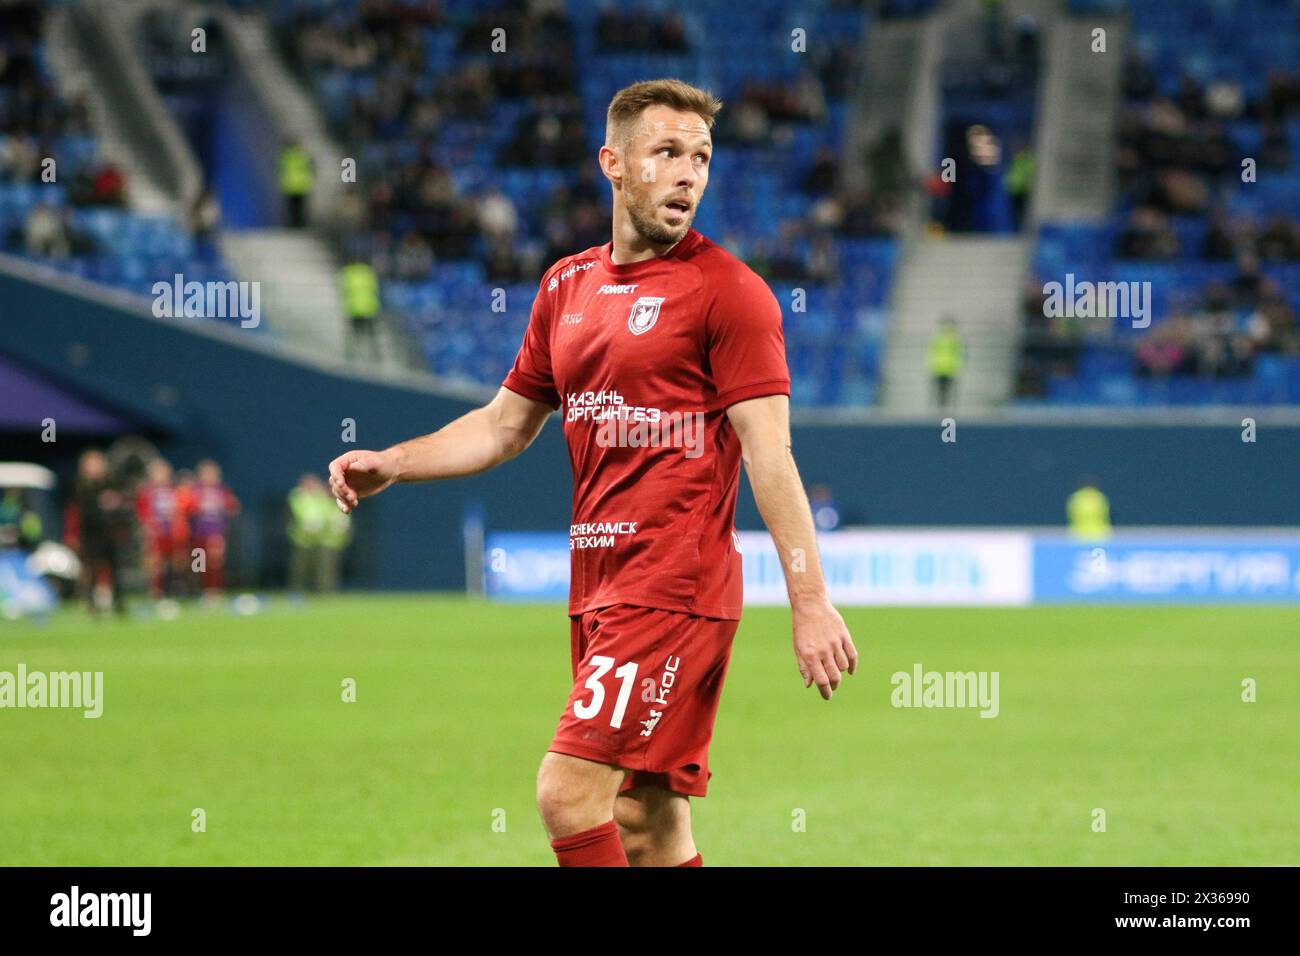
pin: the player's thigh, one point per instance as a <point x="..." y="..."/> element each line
<point x="653" y="811"/>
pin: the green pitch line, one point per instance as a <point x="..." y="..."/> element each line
<point x="1134" y="711"/>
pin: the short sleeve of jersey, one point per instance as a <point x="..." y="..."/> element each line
<point x="745" y="344"/>
<point x="531" y="375"/>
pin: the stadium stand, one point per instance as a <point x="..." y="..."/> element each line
<point x="485" y="172"/>
<point x="81" y="222"/>
<point x="1208" y="86"/>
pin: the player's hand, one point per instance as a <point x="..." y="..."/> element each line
<point x="359" y="474"/>
<point x="822" y="646"/>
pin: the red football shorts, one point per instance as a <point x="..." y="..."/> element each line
<point x="646" y="686"/>
<point x="165" y="541"/>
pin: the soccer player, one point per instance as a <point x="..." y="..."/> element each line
<point x="210" y="505"/>
<point x="162" y="517"/>
<point x="666" y="357"/>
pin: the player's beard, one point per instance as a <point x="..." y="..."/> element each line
<point x="641" y="213"/>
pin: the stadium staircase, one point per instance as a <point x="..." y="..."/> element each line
<point x="300" y="294"/>
<point x="1078" y="112"/>
<point x="883" y="100"/>
<point x="290" y="107"/>
<point x="90" y="50"/>
<point x="977" y="281"/>
<point x="299" y="285"/>
<point x="974" y="279"/>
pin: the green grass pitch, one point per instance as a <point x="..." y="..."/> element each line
<point x="1136" y="711"/>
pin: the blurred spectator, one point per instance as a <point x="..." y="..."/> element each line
<point x="1148" y="235"/>
<point x="825" y="167"/>
<point x="550" y="138"/>
<point x="1272" y="326"/>
<point x="166" y="532"/>
<point x="108" y="186"/>
<point x="414" y="258"/>
<point x="823" y="259"/>
<point x="296" y="176"/>
<point x="497" y="217"/>
<point x="1279" y="241"/>
<point x="20" y="158"/>
<point x="640" y="30"/>
<point x="1163" y="350"/>
<point x="1088" y="512"/>
<point x="210" y="506"/>
<point x="98" y="526"/>
<point x="205" y="216"/>
<point x="502" y="263"/>
<point x="947" y="353"/>
<point x="318" y="533"/>
<point x="359" y="287"/>
<point x="1020" y="182"/>
<point x="1275" y="147"/>
<point x="1139" y="79"/>
<point x="1179" y="191"/>
<point x="44" y="234"/>
<point x="1220" y="244"/>
<point x="1051" y="345"/>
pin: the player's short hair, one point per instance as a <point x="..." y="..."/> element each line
<point x="631" y="101"/>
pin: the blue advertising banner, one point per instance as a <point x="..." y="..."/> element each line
<point x="964" y="568"/>
<point x="526" y="566"/>
<point x="861" y="567"/>
<point x="1174" y="570"/>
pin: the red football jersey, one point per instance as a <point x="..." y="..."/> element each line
<point x="644" y="360"/>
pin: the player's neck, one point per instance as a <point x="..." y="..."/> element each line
<point x="629" y="246"/>
<point x="622" y="255"/>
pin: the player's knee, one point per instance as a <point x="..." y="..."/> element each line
<point x="572" y="797"/>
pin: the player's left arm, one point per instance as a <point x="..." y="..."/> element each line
<point x="822" y="644"/>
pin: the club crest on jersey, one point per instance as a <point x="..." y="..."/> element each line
<point x="644" y="314"/>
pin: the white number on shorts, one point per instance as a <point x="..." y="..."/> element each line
<point x="626" y="673"/>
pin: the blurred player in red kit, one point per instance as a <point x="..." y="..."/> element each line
<point x="210" y="505"/>
<point x="666" y="358"/>
<point x="166" y="534"/>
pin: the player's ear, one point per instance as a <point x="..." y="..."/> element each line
<point x="611" y="165"/>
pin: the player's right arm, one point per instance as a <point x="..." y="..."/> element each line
<point x="475" y="442"/>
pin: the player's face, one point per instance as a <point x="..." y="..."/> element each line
<point x="94" y="466"/>
<point x="665" y="174"/>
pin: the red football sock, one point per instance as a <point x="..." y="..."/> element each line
<point x="696" y="860"/>
<point x="599" y="846"/>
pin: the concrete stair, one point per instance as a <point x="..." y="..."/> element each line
<point x="299" y="286"/>
<point x="976" y="280"/>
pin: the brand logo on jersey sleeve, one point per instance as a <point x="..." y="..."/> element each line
<point x="565" y="273"/>
<point x="644" y="314"/>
